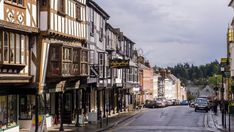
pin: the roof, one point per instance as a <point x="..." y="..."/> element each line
<point x="231" y="3"/>
<point x="129" y="40"/>
<point x="98" y="9"/>
<point x="109" y="26"/>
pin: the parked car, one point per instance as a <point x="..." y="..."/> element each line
<point x="192" y="104"/>
<point x="150" y="104"/>
<point x="201" y="104"/>
<point x="184" y="102"/>
<point x="161" y="102"/>
<point x="169" y="102"/>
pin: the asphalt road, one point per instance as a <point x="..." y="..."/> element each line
<point x="169" y="119"/>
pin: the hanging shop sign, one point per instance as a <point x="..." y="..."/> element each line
<point x="119" y="63"/>
<point x="94" y="70"/>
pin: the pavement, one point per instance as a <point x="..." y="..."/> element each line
<point x="107" y="123"/>
<point x="217" y="119"/>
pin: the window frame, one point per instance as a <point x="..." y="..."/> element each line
<point x="61" y="7"/>
<point x="15" y="3"/>
<point x="58" y="60"/>
<point x="91" y="22"/>
<point x="78" y="12"/>
<point x="20" y="56"/>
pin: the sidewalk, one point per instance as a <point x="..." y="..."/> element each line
<point x="218" y="121"/>
<point x="112" y="122"/>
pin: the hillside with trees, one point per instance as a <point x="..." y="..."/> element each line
<point x="197" y="75"/>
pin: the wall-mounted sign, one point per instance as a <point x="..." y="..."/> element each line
<point x="119" y="63"/>
<point x="94" y="70"/>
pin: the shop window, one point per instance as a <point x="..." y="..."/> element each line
<point x="8" y="111"/>
<point x="12" y="110"/>
<point x="26" y="107"/>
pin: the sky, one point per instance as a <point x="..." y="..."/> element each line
<point x="173" y="31"/>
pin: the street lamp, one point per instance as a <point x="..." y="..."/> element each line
<point x="222" y="96"/>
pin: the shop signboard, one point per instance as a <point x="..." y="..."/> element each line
<point x="119" y="63"/>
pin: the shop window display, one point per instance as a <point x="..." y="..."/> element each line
<point x="8" y="111"/>
<point x="26" y="107"/>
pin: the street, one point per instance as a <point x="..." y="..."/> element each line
<point x="169" y="119"/>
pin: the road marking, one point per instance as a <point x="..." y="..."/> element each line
<point x="205" y="121"/>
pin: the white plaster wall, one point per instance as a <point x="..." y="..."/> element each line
<point x="34" y="15"/>
<point x="28" y="17"/>
<point x="43" y="20"/>
<point x="33" y="66"/>
<point x="1" y="9"/>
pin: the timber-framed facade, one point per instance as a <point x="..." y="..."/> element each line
<point x="18" y="36"/>
<point x="64" y="57"/>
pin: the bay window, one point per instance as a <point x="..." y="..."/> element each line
<point x="76" y="60"/>
<point x="13" y="51"/>
<point x="84" y="62"/>
<point x="54" y="61"/>
<point x="67" y="61"/>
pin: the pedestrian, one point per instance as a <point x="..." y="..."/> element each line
<point x="215" y="105"/>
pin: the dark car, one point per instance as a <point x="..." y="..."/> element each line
<point x="150" y="104"/>
<point x="184" y="102"/>
<point x="201" y="104"/>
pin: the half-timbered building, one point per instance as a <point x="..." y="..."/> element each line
<point x="64" y="57"/>
<point x="18" y="30"/>
<point x="97" y="81"/>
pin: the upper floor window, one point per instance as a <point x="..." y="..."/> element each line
<point x="61" y="6"/>
<point x="14" y="48"/>
<point x="43" y="2"/>
<point x="67" y="54"/>
<point x="16" y="2"/>
<point x="101" y="30"/>
<point x="91" y="15"/>
<point x="55" y="60"/>
<point x="78" y="12"/>
<point x="84" y="56"/>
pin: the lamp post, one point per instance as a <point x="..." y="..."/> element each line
<point x="222" y="97"/>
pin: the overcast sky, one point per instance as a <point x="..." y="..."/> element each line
<point x="173" y="31"/>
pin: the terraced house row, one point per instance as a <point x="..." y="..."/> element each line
<point x="62" y="59"/>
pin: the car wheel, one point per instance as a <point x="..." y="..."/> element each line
<point x="153" y="106"/>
